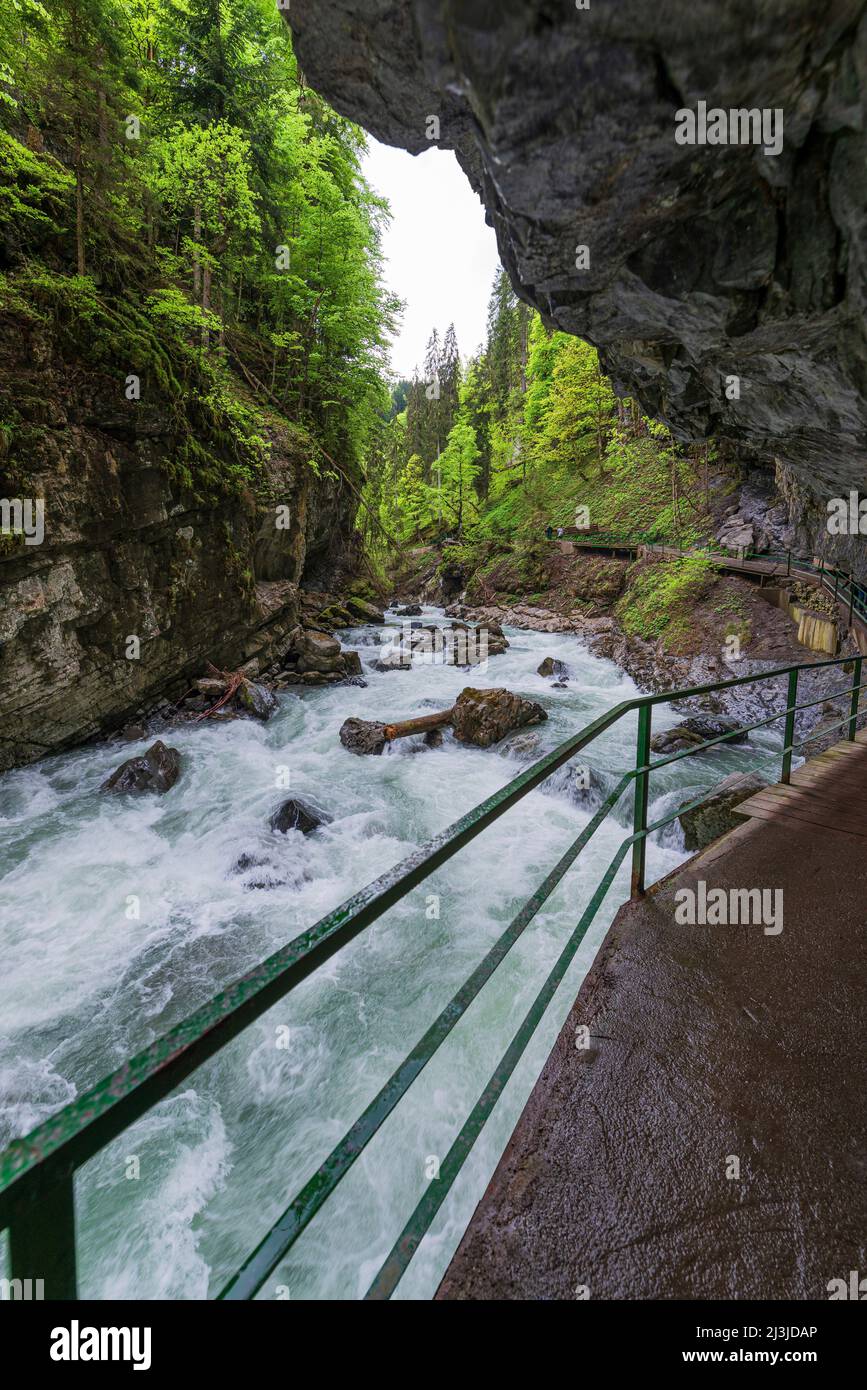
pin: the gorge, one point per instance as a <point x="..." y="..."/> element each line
<point x="283" y="631"/>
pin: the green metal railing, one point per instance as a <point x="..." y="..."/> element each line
<point x="37" y="1173"/>
<point x="626" y="539"/>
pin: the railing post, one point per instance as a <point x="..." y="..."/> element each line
<point x="641" y="798"/>
<point x="851" y="597"/>
<point x="856" y="698"/>
<point x="42" y="1236"/>
<point x="788" y="562"/>
<point x="789" y="735"/>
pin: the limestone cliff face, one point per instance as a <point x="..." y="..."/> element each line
<point x="130" y="553"/>
<point x="705" y="261"/>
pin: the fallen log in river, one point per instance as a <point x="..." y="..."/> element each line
<point x="480" y="717"/>
<point x="369" y="736"/>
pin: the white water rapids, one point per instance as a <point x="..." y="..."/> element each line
<point x="85" y="985"/>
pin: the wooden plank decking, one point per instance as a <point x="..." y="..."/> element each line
<point x="829" y="791"/>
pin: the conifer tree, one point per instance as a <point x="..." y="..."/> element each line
<point x="87" y="92"/>
<point x="450" y="380"/>
<point x="459" y="468"/>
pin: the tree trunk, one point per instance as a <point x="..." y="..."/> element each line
<point x="197" y="232"/>
<point x="421" y="725"/>
<point x="599" y="416"/>
<point x="370" y="736"/>
<point x="79" y="204"/>
<point x="206" y="303"/>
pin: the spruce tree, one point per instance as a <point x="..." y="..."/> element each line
<point x="87" y="93"/>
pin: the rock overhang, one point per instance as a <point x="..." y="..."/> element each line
<point x="706" y="262"/>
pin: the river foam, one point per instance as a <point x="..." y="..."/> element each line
<point x="120" y="916"/>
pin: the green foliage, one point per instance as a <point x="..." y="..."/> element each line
<point x="538" y="439"/>
<point x="34" y="192"/>
<point x="661" y="594"/>
<point x="412" y="495"/>
<point x="568" y="419"/>
<point x="458" y="470"/>
<point x="201" y="220"/>
<point x="179" y="319"/>
<point x="548" y="436"/>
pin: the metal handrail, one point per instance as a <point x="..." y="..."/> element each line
<point x="37" y="1171"/>
<point x="845" y="587"/>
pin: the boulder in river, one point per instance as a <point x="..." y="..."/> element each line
<point x="673" y="740"/>
<point x="581" y="783"/>
<point x="552" y="667"/>
<point x="363" y="736"/>
<point x="256" y="700"/>
<point x="257" y="872"/>
<point x="397" y="661"/>
<point x="363" y="611"/>
<point x="316" y="651"/>
<point x="317" y="658"/>
<point x="409" y="610"/>
<point x="716" y="816"/>
<point x="352" y="664"/>
<point x="247" y="861"/>
<point x="483" y="717"/>
<point x="457" y="645"/>
<point x="709" y="726"/>
<point x="296" y="814"/>
<point x="698" y="728"/>
<point x="491" y="638"/>
<point x="526" y="748"/>
<point x="225" y="694"/>
<point x="157" y="770"/>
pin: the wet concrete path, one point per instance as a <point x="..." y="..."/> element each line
<point x="714" y="1050"/>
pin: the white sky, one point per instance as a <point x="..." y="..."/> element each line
<point x="440" y="256"/>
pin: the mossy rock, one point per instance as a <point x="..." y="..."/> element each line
<point x="363" y="589"/>
<point x="336" y="616"/>
<point x="363" y="611"/>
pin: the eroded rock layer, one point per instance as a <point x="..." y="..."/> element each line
<point x="140" y="581"/>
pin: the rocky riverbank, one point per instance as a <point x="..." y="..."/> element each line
<point x="655" y="668"/>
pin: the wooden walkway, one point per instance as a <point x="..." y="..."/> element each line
<point x="829" y="791"/>
<point x="710" y="1142"/>
<point x="762" y="569"/>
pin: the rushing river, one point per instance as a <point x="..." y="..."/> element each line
<point x="86" y="983"/>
